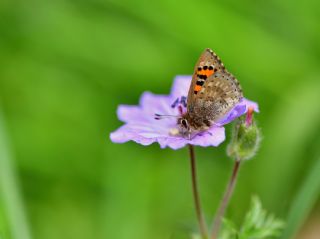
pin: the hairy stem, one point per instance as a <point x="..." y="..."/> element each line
<point x="225" y="201"/>
<point x="200" y="217"/>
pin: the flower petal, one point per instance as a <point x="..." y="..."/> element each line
<point x="152" y="104"/>
<point x="125" y="134"/>
<point x="212" y="137"/>
<point x="250" y="103"/>
<point x="129" y="132"/>
<point x="128" y="113"/>
<point x="180" y="86"/>
<point x="236" y="112"/>
<point x="172" y="142"/>
<point x="239" y="109"/>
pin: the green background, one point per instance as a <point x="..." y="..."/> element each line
<point x="65" y="66"/>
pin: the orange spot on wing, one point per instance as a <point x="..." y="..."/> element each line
<point x="205" y="72"/>
<point x="208" y="72"/>
<point x="197" y="88"/>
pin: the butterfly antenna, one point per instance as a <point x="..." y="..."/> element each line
<point x="159" y="116"/>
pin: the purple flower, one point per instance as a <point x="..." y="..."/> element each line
<point x="142" y="127"/>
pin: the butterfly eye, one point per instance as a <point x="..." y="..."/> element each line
<point x="184" y="123"/>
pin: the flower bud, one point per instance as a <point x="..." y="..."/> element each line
<point x="245" y="138"/>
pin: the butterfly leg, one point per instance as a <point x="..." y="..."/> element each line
<point x="202" y="133"/>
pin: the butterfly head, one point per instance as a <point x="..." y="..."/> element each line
<point x="184" y="124"/>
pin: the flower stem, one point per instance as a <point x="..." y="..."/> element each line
<point x="200" y="217"/>
<point x="225" y="201"/>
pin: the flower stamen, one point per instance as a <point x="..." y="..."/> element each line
<point x="180" y="101"/>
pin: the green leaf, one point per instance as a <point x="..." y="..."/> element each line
<point x="258" y="224"/>
<point x="230" y="230"/>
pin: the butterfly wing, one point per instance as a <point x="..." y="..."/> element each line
<point x="211" y="97"/>
<point x="208" y="64"/>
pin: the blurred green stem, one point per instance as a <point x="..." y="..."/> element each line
<point x="225" y="201"/>
<point x="10" y="190"/>
<point x="202" y="225"/>
<point x="304" y="201"/>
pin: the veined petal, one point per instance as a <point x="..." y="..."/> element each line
<point x="240" y="109"/>
<point x="128" y="113"/>
<point x="123" y="135"/>
<point x="181" y="86"/>
<point x="213" y="137"/>
<point x="250" y="103"/>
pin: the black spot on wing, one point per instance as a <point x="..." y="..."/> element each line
<point x="199" y="82"/>
<point x="203" y="77"/>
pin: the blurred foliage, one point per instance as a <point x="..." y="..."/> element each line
<point x="257" y="224"/>
<point x="65" y="65"/>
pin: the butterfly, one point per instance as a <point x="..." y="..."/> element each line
<point x="212" y="94"/>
